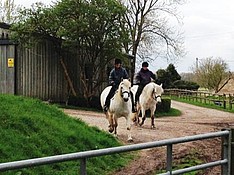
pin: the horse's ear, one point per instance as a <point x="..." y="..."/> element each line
<point x="122" y="79"/>
<point x="161" y="84"/>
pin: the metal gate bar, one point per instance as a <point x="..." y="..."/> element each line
<point x="107" y="151"/>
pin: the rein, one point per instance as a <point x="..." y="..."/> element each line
<point x="155" y="97"/>
<point x="125" y="92"/>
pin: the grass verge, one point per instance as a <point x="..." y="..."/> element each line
<point x="30" y="128"/>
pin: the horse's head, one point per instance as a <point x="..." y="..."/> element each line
<point x="124" y="89"/>
<point x="157" y="93"/>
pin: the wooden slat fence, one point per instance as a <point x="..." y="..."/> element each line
<point x="225" y="101"/>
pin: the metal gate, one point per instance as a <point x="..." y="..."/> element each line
<point x="227" y="161"/>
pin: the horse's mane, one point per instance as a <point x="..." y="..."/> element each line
<point x="148" y="89"/>
<point x="126" y="82"/>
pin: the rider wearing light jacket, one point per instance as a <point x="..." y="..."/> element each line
<point x="143" y="77"/>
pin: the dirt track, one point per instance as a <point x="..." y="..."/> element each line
<point x="194" y="120"/>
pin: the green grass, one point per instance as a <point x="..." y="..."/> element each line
<point x="193" y="158"/>
<point x="201" y="104"/>
<point x="172" y="112"/>
<point x="30" y="128"/>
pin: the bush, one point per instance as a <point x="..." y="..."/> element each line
<point x="77" y="101"/>
<point x="164" y="106"/>
<point x="189" y="85"/>
<point x="94" y="102"/>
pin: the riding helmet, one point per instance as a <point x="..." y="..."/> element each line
<point x="145" y="64"/>
<point x="118" y="61"/>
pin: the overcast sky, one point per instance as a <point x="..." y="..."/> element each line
<point x="208" y="32"/>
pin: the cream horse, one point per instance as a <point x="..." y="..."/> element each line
<point x="150" y="96"/>
<point x="120" y="106"/>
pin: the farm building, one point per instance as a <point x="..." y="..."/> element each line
<point x="227" y="87"/>
<point x="37" y="71"/>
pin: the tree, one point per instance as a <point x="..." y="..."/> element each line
<point x="210" y="72"/>
<point x="151" y="34"/>
<point x="91" y="29"/>
<point x="168" y="77"/>
<point x="162" y="77"/>
<point x="8" y="11"/>
<point x="172" y="73"/>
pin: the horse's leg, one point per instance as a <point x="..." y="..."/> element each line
<point x="128" y="124"/>
<point x="110" y="119"/>
<point x="115" y="125"/>
<point x="137" y="114"/>
<point x="134" y="118"/>
<point x="152" y="117"/>
<point x="143" y="116"/>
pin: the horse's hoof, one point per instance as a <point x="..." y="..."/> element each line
<point x="111" y="130"/>
<point x="130" y="140"/>
<point x="153" y="127"/>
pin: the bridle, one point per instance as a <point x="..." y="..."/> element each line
<point x="155" y="97"/>
<point x="158" y="96"/>
<point x="123" y="92"/>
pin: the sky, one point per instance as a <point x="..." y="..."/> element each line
<point x="207" y="28"/>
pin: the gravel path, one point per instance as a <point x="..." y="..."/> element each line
<point x="194" y="120"/>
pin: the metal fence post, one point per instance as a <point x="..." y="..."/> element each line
<point x="224" y="153"/>
<point x="231" y="163"/>
<point x="169" y="158"/>
<point x="83" y="166"/>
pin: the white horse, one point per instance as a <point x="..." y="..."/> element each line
<point x="120" y="106"/>
<point x="150" y="96"/>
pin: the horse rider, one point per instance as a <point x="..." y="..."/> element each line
<point x="143" y="77"/>
<point x="116" y="75"/>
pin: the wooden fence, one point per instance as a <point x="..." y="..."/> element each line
<point x="225" y="101"/>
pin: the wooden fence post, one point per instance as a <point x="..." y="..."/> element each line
<point x="230" y="102"/>
<point x="224" y="101"/>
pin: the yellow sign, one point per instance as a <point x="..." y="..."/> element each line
<point x="10" y="62"/>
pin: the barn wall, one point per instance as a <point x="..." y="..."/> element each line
<point x="37" y="71"/>
<point x="7" y="71"/>
<point x="40" y="74"/>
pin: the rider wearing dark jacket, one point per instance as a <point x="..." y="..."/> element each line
<point x="116" y="75"/>
<point x="143" y="77"/>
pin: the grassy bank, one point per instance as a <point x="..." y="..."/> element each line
<point x="30" y="128"/>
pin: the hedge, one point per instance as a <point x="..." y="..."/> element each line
<point x="94" y="102"/>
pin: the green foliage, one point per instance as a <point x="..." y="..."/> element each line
<point x="164" y="106"/>
<point x="91" y="30"/>
<point x="172" y="73"/>
<point x="31" y="129"/>
<point x="163" y="109"/>
<point x="181" y="84"/>
<point x="94" y="102"/>
<point x="168" y="76"/>
<point x="192" y="158"/>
